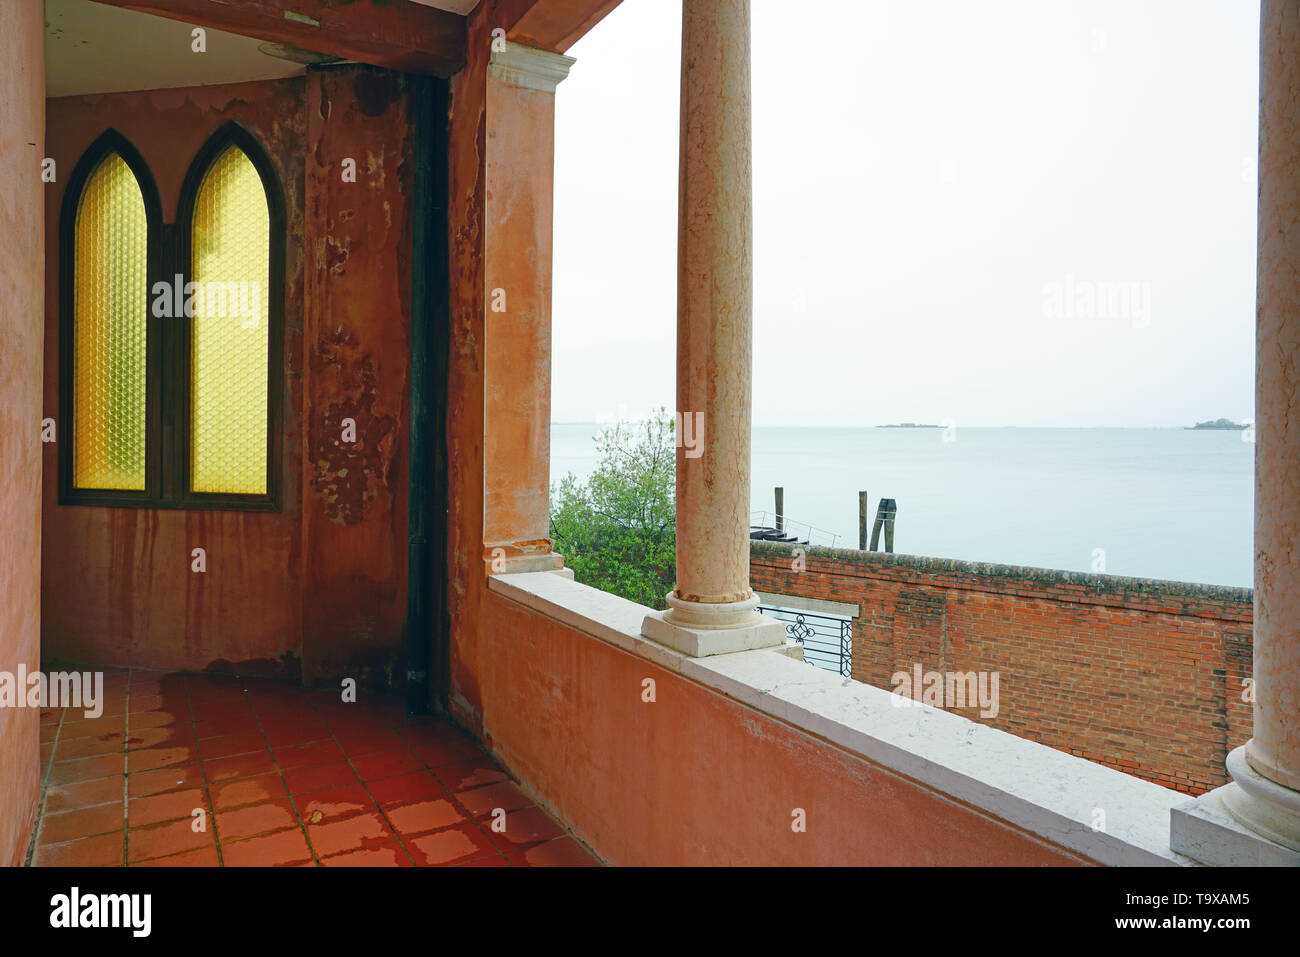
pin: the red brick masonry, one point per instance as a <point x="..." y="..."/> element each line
<point x="1145" y="676"/>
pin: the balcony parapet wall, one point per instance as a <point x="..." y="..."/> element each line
<point x="654" y="757"/>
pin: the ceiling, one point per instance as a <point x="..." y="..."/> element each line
<point x="85" y="52"/>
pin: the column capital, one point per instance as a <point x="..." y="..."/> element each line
<point x="519" y="65"/>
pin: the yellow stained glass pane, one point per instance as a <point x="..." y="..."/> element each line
<point x="110" y="315"/>
<point x="231" y="235"/>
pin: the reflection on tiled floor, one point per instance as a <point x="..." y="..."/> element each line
<point x="282" y="776"/>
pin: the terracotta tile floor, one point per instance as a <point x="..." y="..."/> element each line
<point x="281" y="776"/>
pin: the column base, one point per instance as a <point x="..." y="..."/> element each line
<point x="1263" y="805"/>
<point x="699" y="629"/>
<point x="1252" y="822"/>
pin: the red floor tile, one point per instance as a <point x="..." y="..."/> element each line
<point x="469" y="774"/>
<point x="87" y="822"/>
<point x="425" y="730"/>
<point x="387" y="764"/>
<point x="162" y="840"/>
<point x="406" y="789"/>
<point x="561" y="852"/>
<point x="256" y="790"/>
<point x="302" y="755"/>
<point x="349" y="834"/>
<point x="451" y="846"/>
<point x="480" y="802"/>
<point x="147" y="703"/>
<point x="532" y="825"/>
<point x="199" y="857"/>
<point x="410" y="819"/>
<point x="241" y="766"/>
<point x="87" y="769"/>
<point x="359" y="739"/>
<point x="219" y="706"/>
<point x="382" y="855"/>
<point x="283" y="847"/>
<point x="496" y="860"/>
<point x="359" y="744"/>
<point x="102" y="851"/>
<point x="300" y="732"/>
<point x="277" y="710"/>
<point x="222" y="725"/>
<point x="163" y="736"/>
<point x="226" y="714"/>
<point x="158" y="719"/>
<point x="228" y="745"/>
<point x="152" y="758"/>
<point x="144" y="783"/>
<point x="88" y="728"/>
<point x="190" y="737"/>
<point x="256" y="819"/>
<point x="437" y="754"/>
<point x="70" y="797"/>
<point x="111" y="707"/>
<point x="319" y="777"/>
<point x="170" y="806"/>
<point x="334" y="803"/>
<point x="90" y="747"/>
<point x="354" y="719"/>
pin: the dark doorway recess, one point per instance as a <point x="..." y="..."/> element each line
<point x="427" y="620"/>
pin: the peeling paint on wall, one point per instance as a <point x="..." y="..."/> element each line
<point x="348" y="475"/>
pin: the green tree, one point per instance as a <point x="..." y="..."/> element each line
<point x="617" y="530"/>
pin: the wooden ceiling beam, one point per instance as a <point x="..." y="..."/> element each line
<point x="553" y="25"/>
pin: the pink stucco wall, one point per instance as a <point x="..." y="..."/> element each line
<point x="22" y="270"/>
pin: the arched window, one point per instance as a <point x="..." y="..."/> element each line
<point x="171" y="334"/>
<point x="110" y="314"/>
<point x="230" y="246"/>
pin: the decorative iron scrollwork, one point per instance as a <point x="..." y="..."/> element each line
<point x="799" y="629"/>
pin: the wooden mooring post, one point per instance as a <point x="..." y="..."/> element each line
<point x="885" y="513"/>
<point x="864" y="515"/>
<point x="780" y="508"/>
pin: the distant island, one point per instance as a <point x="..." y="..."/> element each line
<point x="1226" y="424"/>
<point x="909" y="425"/>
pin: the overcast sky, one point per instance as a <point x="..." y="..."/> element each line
<point x="939" y="189"/>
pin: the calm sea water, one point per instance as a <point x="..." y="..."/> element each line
<point x="1159" y="503"/>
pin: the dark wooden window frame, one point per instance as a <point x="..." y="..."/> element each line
<point x="168" y="363"/>
<point x="108" y="143"/>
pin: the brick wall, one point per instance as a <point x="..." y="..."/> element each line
<point x="1144" y="676"/>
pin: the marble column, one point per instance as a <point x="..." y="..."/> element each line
<point x="712" y="608"/>
<point x="1267" y="768"/>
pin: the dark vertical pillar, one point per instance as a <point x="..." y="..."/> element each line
<point x="427" y="623"/>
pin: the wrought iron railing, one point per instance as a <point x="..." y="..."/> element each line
<point x="802" y="531"/>
<point x="827" y="641"/>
